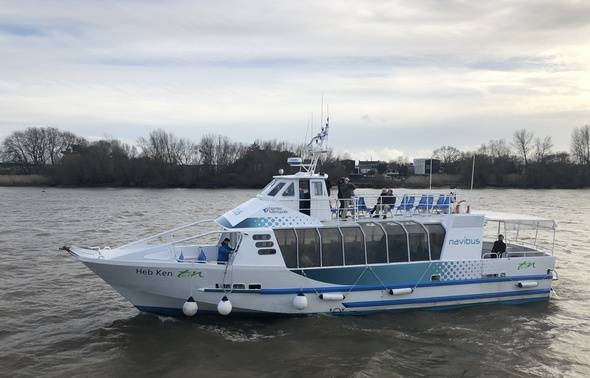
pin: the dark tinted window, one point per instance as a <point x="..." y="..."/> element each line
<point x="267" y="251"/>
<point x="288" y="243"/>
<point x="397" y="241"/>
<point x="331" y="247"/>
<point x="375" y="242"/>
<point x="309" y="247"/>
<point x="354" y="248"/>
<point x="437" y="239"/>
<point x="290" y="191"/>
<point x="264" y="244"/>
<point x="261" y="237"/>
<point x="276" y="189"/>
<point x="418" y="241"/>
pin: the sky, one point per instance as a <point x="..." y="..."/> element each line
<point x="399" y="77"/>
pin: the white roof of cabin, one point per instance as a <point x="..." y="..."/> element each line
<point x="523" y="220"/>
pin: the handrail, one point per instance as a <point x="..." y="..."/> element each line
<point x="190" y="238"/>
<point x="406" y="203"/>
<point x="159" y="235"/>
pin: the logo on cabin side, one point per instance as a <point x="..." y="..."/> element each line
<point x="525" y="265"/>
<point x="274" y="210"/>
<point x="464" y="241"/>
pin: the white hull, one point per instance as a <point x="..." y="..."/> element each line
<point x="163" y="288"/>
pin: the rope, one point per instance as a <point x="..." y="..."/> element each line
<point x="358" y="279"/>
<point x="378" y="278"/>
<point x="312" y="287"/>
<point x="422" y="276"/>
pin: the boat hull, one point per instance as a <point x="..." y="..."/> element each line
<point x="164" y="287"/>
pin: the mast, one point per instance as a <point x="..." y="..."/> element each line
<point x="315" y="148"/>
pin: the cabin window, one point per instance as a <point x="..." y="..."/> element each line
<point x="268" y="186"/>
<point x="436" y="232"/>
<point x="309" y="247"/>
<point x="239" y="286"/>
<point x="397" y="242"/>
<point x="418" y="241"/>
<point x="288" y="244"/>
<point x="273" y="192"/>
<point x="290" y="191"/>
<point x="318" y="188"/>
<point x="331" y="247"/>
<point x="255" y="286"/>
<point x="267" y="251"/>
<point x="261" y="237"/>
<point x="376" y="244"/>
<point x="264" y="244"/>
<point x="354" y="245"/>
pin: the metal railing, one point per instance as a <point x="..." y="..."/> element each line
<point x="405" y="204"/>
<point x="165" y="237"/>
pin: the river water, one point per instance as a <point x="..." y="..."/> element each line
<point x="58" y="319"/>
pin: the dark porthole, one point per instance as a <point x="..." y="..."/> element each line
<point x="267" y="251"/>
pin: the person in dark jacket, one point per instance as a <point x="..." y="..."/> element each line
<point x="499" y="246"/>
<point x="379" y="205"/>
<point x="341" y="189"/>
<point x="347" y="191"/>
<point x="224" y="251"/>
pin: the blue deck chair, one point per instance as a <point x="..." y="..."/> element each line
<point x="443" y="203"/>
<point x="361" y="206"/>
<point x="406" y="204"/>
<point x="426" y="203"/>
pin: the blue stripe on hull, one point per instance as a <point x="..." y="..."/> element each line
<point x="330" y="289"/>
<point x="396" y="274"/>
<point x="448" y="298"/>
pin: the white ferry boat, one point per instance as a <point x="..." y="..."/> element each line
<point x="295" y="252"/>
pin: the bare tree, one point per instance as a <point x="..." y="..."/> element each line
<point x="14" y="150"/>
<point x="543" y="148"/>
<point x="447" y="154"/>
<point x="523" y="142"/>
<point x="167" y="148"/>
<point x="581" y="144"/>
<point x="36" y="147"/>
<point x="207" y="150"/>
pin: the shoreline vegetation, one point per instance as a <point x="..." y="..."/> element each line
<point x="46" y="156"/>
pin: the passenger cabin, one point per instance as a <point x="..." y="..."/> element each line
<point x="303" y="192"/>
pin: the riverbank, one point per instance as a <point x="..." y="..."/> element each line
<point x="375" y="182"/>
<point x="25" y="180"/>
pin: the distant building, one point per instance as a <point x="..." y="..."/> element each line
<point x="368" y="167"/>
<point x="422" y="166"/>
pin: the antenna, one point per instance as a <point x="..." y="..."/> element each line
<point x="322" y="112"/>
<point x="430" y="173"/>
<point x="472" y="171"/>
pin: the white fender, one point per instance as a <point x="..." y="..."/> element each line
<point x="401" y="291"/>
<point x="332" y="296"/>
<point x="224" y="306"/>
<point x="190" y="307"/>
<point x="527" y="284"/>
<point x="300" y="301"/>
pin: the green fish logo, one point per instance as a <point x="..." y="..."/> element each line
<point x="525" y="265"/>
<point x="189" y="274"/>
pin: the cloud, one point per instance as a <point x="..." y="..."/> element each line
<point x="400" y="77"/>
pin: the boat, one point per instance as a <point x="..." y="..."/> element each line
<point x="296" y="250"/>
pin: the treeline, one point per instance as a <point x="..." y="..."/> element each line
<point x="164" y="160"/>
<point x="524" y="162"/>
<point x="160" y="160"/>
